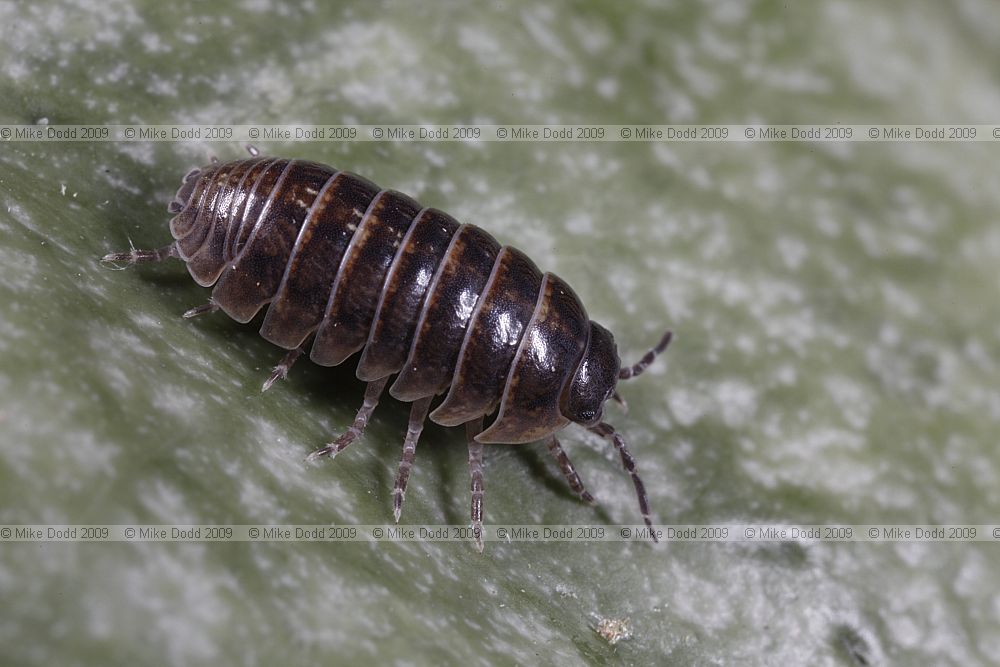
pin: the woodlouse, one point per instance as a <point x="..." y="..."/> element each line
<point x="440" y="305"/>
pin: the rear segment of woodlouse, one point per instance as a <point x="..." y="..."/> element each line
<point x="348" y="267"/>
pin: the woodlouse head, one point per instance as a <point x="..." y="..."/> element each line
<point x="594" y="381"/>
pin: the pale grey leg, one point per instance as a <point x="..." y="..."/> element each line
<point x="569" y="471"/>
<point x="203" y="309"/>
<point x="418" y="413"/>
<point x="136" y="256"/>
<point x="280" y="371"/>
<point x="472" y="429"/>
<point x="372" y="393"/>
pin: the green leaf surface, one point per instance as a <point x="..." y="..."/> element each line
<point x="835" y="306"/>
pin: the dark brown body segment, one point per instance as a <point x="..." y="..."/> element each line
<point x="452" y="298"/>
<point x="312" y="269"/>
<point x="206" y="264"/>
<point x="550" y="351"/>
<point x="254" y="206"/>
<point x="187" y="202"/>
<point x="362" y="272"/>
<point x="492" y="339"/>
<point x="403" y="294"/>
<point x="199" y="222"/>
<point x="252" y="279"/>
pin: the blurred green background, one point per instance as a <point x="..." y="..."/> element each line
<point x="835" y="305"/>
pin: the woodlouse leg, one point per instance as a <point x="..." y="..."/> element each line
<point x="472" y="429"/>
<point x="203" y="309"/>
<point x="418" y="413"/>
<point x="280" y="372"/>
<point x="372" y="393"/>
<point x="608" y="432"/>
<point x="575" y="483"/>
<point x="647" y="359"/>
<point x="137" y="256"/>
<point x="620" y="401"/>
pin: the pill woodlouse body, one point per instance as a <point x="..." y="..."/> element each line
<point x="348" y="267"/>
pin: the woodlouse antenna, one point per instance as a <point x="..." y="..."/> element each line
<point x="608" y="432"/>
<point x="643" y="364"/>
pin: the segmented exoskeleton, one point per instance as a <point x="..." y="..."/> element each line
<point x="349" y="267"/>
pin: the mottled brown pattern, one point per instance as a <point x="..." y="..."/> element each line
<point x="300" y="301"/>
<point x="362" y="272"/>
<point x="251" y="281"/>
